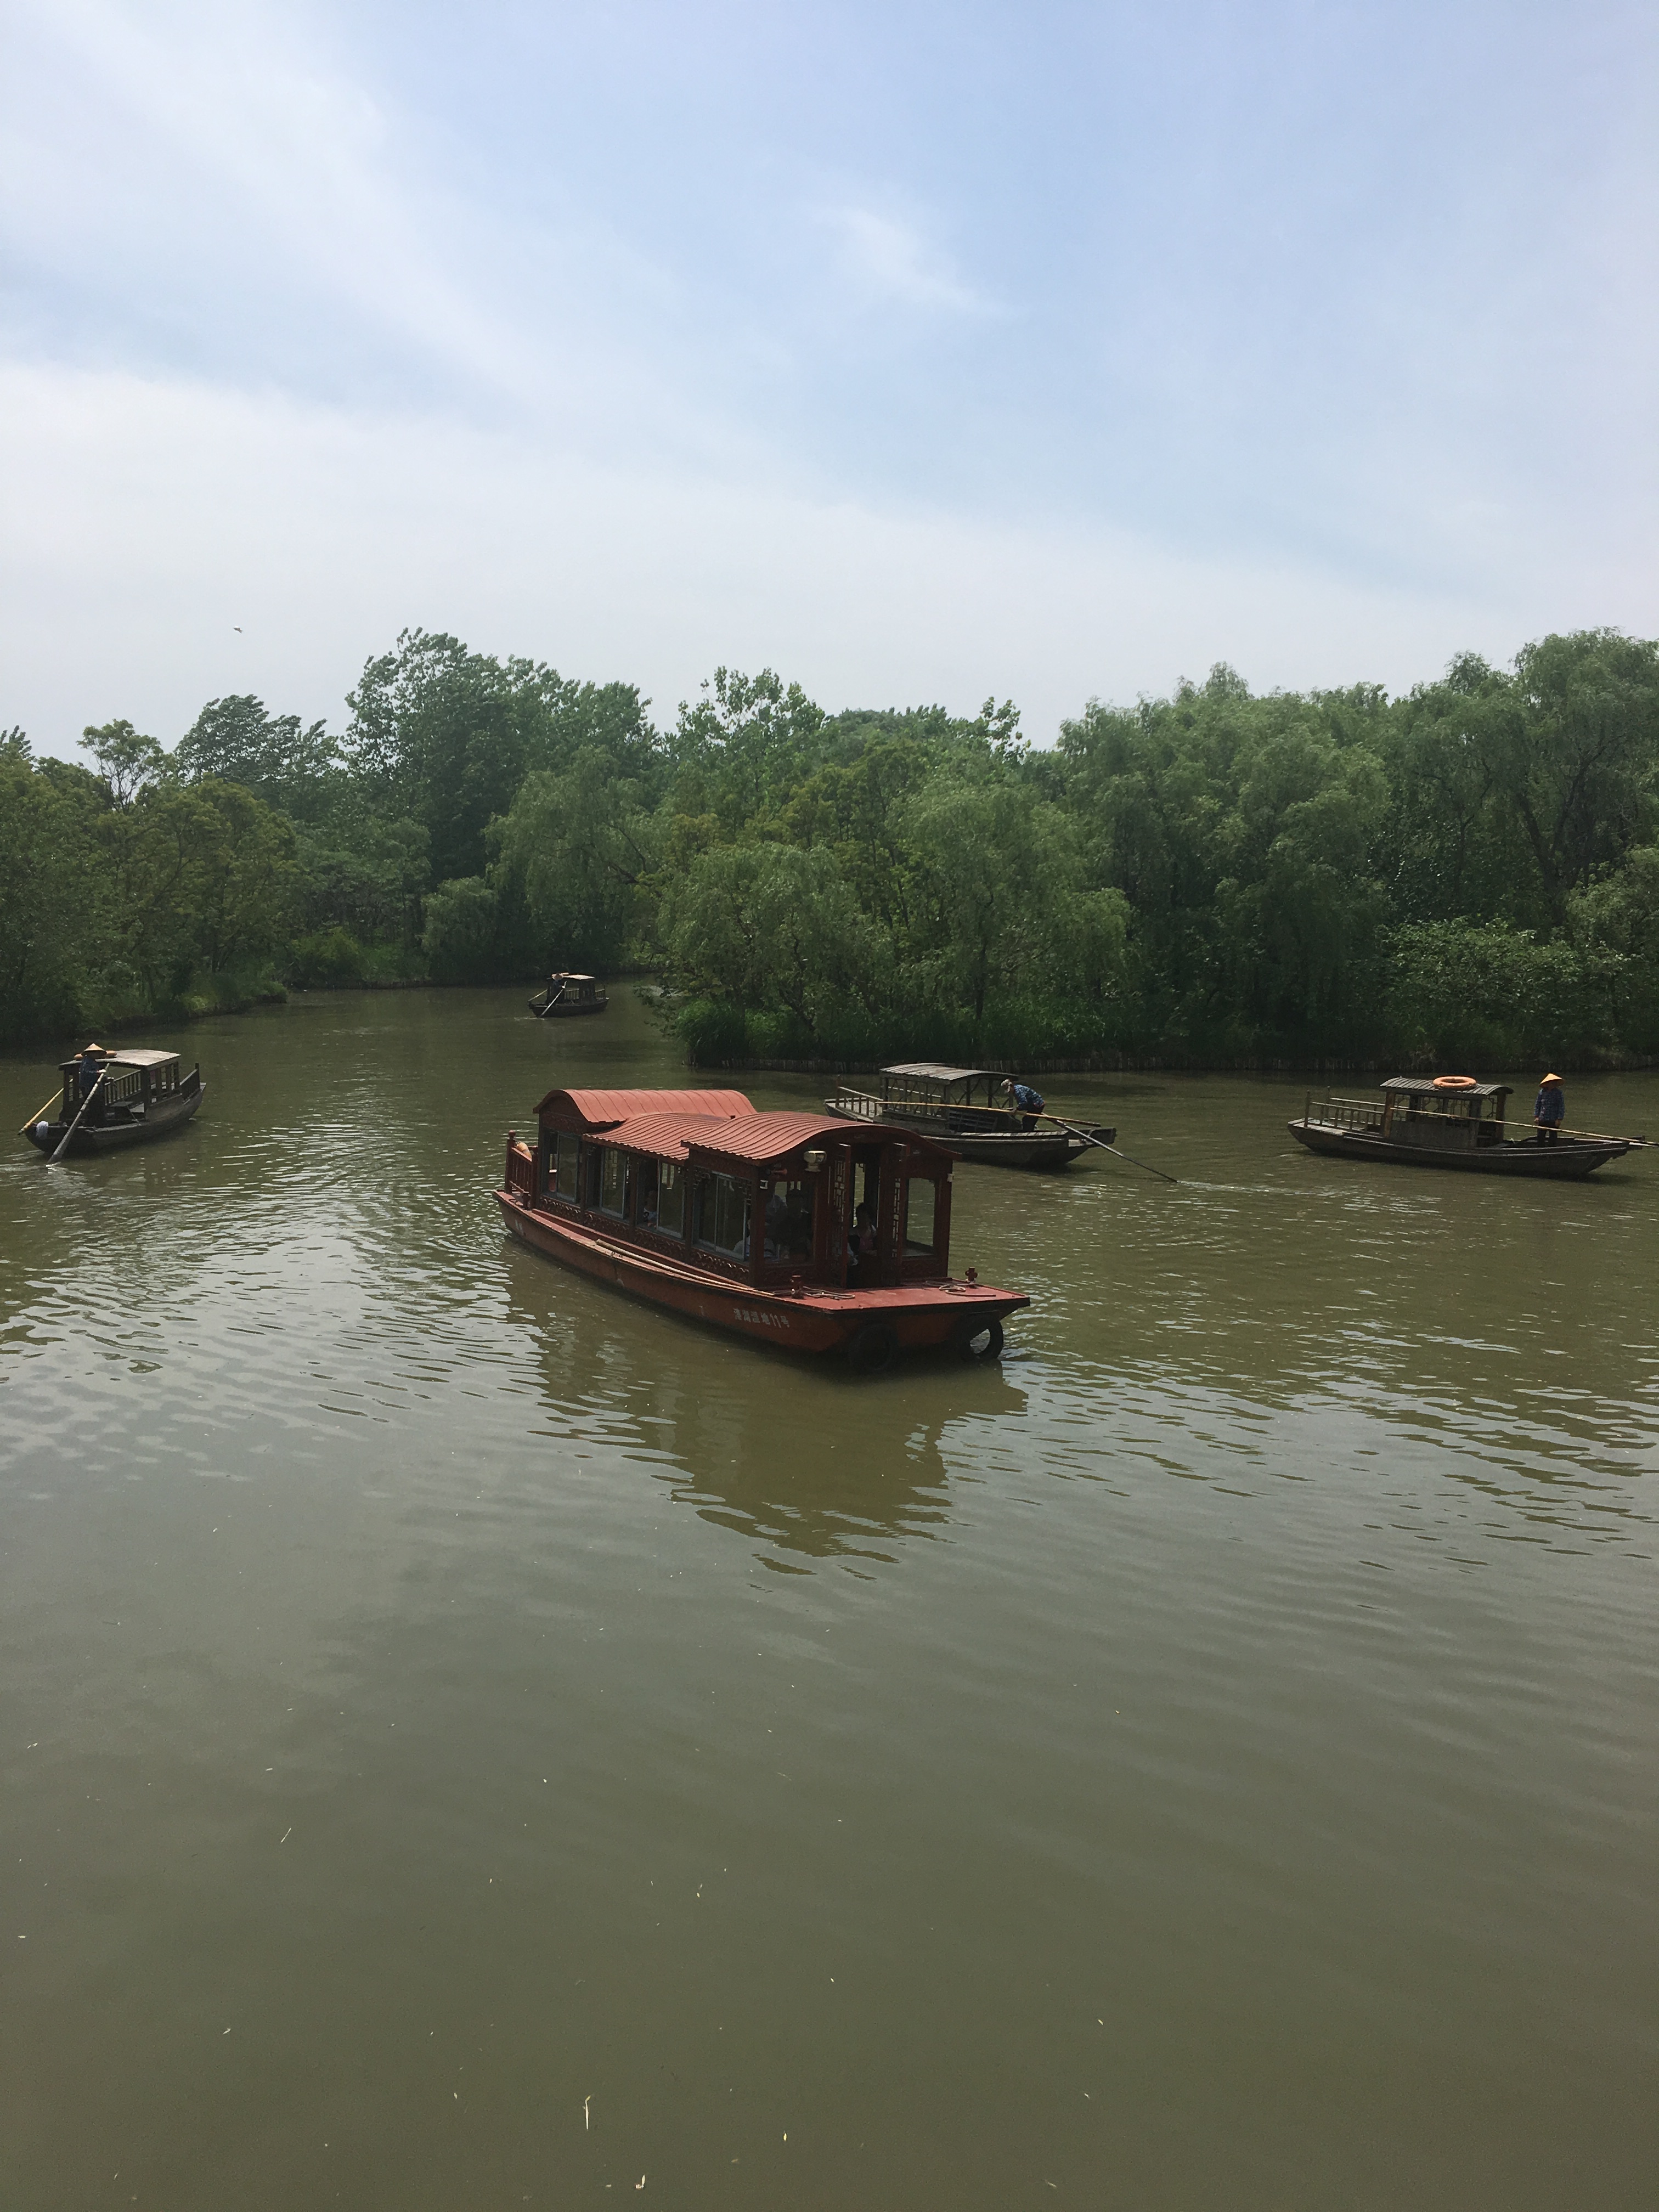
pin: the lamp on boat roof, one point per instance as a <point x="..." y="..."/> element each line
<point x="815" y="1158"/>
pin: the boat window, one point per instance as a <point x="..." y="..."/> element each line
<point x="788" y="1218"/>
<point x="670" y="1198"/>
<point x="921" y="1213"/>
<point x="612" y="1179"/>
<point x="567" y="1150"/>
<point x="723" y="1215"/>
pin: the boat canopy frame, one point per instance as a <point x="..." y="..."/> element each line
<point x="924" y="1080"/>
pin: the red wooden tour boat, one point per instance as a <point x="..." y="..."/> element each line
<point x="693" y="1199"/>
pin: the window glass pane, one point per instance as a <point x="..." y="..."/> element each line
<point x="610" y="1180"/>
<point x="920" y="1205"/>
<point x="723" y="1214"/>
<point x="788" y="1218"/>
<point x="670" y="1198"/>
<point x="731" y="1217"/>
<point x="565" y="1154"/>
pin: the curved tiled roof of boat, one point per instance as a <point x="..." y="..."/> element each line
<point x="753" y="1137"/>
<point x="603" y="1110"/>
<point x="668" y="1136"/>
<point x="769" y="1136"/>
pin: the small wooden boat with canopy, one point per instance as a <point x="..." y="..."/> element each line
<point x="114" y="1099"/>
<point x="963" y="1108"/>
<point x="792" y="1229"/>
<point x="567" y="994"/>
<point x="1451" y="1121"/>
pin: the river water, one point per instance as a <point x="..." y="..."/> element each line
<point x="471" y="1741"/>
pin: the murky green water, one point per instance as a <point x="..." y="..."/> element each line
<point x="469" y="1740"/>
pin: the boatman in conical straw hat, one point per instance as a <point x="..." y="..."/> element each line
<point x="1549" y="1109"/>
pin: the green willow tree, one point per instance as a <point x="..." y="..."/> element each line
<point x="1471" y="870"/>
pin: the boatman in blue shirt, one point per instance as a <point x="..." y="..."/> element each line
<point x="1019" y="1098"/>
<point x="1549" y="1110"/>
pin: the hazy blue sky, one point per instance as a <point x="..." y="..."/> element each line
<point x="921" y="351"/>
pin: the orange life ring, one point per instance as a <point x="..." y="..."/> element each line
<point x="1455" y="1083"/>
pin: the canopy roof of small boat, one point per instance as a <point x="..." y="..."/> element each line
<point x="136" y="1056"/>
<point x="603" y="1110"/>
<point x="1428" y="1086"/>
<point x="931" y="1070"/>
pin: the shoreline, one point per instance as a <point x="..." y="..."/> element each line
<point x="190" y="1010"/>
<point x="1123" y="1063"/>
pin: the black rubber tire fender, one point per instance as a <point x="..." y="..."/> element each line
<point x="873" y="1349"/>
<point x="980" y="1341"/>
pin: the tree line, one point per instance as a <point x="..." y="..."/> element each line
<point x="1465" y="874"/>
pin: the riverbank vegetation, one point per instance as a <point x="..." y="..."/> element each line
<point x="1467" y="874"/>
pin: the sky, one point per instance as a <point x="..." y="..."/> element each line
<point x="924" y="353"/>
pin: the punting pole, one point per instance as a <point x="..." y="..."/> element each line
<point x="1071" y="1130"/>
<point x="76" y="1123"/>
<point x="1584" y="1136"/>
<point x="553" y="1000"/>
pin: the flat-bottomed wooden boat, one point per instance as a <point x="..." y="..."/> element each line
<point x="140" y="1095"/>
<point x="567" y="994"/>
<point x="754" y="1222"/>
<point x="1437" y="1122"/>
<point x="958" y="1107"/>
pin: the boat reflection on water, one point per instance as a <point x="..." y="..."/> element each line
<point x="798" y="1458"/>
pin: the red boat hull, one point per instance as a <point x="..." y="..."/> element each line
<point x="922" y="1316"/>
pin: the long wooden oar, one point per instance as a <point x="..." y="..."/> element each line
<point x="1071" y="1130"/>
<point x="43" y="1111"/>
<point x="553" y="1000"/>
<point x="76" y="1123"/>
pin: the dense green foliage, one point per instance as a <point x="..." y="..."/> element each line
<point x="1469" y="873"/>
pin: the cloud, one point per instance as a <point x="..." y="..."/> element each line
<point x="886" y="259"/>
<point x="152" y="515"/>
<point x="332" y="320"/>
<point x="215" y="160"/>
